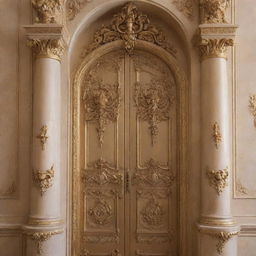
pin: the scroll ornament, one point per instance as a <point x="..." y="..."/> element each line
<point x="51" y="48"/>
<point x="252" y="107"/>
<point x="130" y="25"/>
<point x="218" y="179"/>
<point x="214" y="11"/>
<point x="43" y="179"/>
<point x="47" y="11"/>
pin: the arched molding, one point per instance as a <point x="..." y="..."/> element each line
<point x="94" y="11"/>
<point x="182" y="125"/>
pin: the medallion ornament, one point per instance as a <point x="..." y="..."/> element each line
<point x="153" y="175"/>
<point x="216" y="134"/>
<point x="43" y="136"/>
<point x="47" y="11"/>
<point x="153" y="102"/>
<point x="43" y="179"/>
<point x="41" y="237"/>
<point x="185" y="7"/>
<point x="214" y="11"/>
<point x="214" y="48"/>
<point x="218" y="179"/>
<point x="101" y="103"/>
<point x="48" y="48"/>
<point x="152" y="214"/>
<point x="130" y="25"/>
<point x="102" y="173"/>
<point x="252" y="107"/>
<point x="102" y="213"/>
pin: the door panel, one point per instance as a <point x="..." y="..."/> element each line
<point x="128" y="157"/>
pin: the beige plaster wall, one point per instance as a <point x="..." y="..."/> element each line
<point x="16" y="118"/>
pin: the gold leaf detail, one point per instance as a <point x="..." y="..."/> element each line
<point x="43" y="179"/>
<point x="130" y="25"/>
<point x="218" y="179"/>
<point x="216" y="134"/>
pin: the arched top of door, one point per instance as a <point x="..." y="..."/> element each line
<point x="94" y="12"/>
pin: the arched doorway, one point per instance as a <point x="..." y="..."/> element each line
<point x="129" y="151"/>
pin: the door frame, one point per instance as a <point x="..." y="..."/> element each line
<point x="182" y="137"/>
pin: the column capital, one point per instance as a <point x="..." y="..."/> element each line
<point x="46" y="40"/>
<point x="214" y="39"/>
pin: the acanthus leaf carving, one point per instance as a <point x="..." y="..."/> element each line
<point x="218" y="179"/>
<point x="153" y="102"/>
<point x="102" y="173"/>
<point x="47" y="11"/>
<point x="214" y="11"/>
<point x="43" y="179"/>
<point x="51" y="48"/>
<point x="130" y="25"/>
<point x="153" y="175"/>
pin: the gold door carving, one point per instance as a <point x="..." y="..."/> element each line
<point x="128" y="198"/>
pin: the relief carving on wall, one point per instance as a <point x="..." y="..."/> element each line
<point x="101" y="103"/>
<point x="9" y="191"/>
<point x="43" y="136"/>
<point x="214" y="11"/>
<point x="41" y="237"/>
<point x="252" y="107"/>
<point x="153" y="175"/>
<point x="73" y="7"/>
<point x="185" y="6"/>
<point x="102" y="173"/>
<point x="114" y="252"/>
<point x="130" y="25"/>
<point x="216" y="134"/>
<point x="43" y="179"/>
<point x="153" y="101"/>
<point x="101" y="213"/>
<point x="218" y="179"/>
<point x="139" y="253"/>
<point x="47" y="11"/>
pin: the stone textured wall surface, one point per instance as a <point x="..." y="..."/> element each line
<point x="16" y="115"/>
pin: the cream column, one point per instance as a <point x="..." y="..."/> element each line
<point x="45" y="230"/>
<point x="218" y="231"/>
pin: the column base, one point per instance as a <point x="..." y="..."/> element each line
<point x="217" y="221"/>
<point x="218" y="240"/>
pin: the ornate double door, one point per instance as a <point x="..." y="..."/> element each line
<point x="128" y="200"/>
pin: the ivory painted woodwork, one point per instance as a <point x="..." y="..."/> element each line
<point x="127" y="128"/>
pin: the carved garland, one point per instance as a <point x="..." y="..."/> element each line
<point x="216" y="134"/>
<point x="218" y="179"/>
<point x="130" y="25"/>
<point x="41" y="237"/>
<point x="43" y="179"/>
<point x="43" y="136"/>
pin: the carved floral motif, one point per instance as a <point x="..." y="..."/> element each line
<point x="47" y="11"/>
<point x="185" y="6"/>
<point x="51" y="48"/>
<point x="43" y="179"/>
<point x="152" y="214"/>
<point x="223" y="238"/>
<point x="213" y="11"/>
<point x="73" y="7"/>
<point x="218" y="179"/>
<point x="153" y="102"/>
<point x="130" y="25"/>
<point x="101" y="102"/>
<point x="41" y="237"/>
<point x="101" y="213"/>
<point x="153" y="175"/>
<point x="252" y="107"/>
<point x="102" y="173"/>
<point x="216" y="134"/>
<point x="215" y="47"/>
<point x="43" y="136"/>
